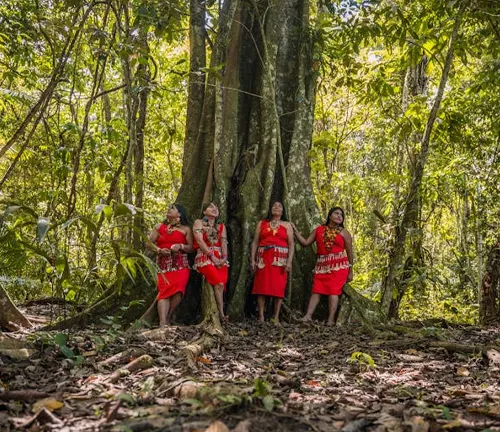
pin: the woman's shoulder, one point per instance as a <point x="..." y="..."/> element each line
<point x="345" y="233"/>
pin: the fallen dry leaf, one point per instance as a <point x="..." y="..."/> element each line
<point x="217" y="426"/>
<point x="49" y="403"/>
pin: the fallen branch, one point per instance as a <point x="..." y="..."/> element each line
<point x="121" y="356"/>
<point x="143" y="362"/>
<point x="22" y="395"/>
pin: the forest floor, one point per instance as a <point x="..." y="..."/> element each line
<point x="257" y="378"/>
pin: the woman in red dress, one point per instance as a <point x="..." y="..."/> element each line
<point x="271" y="259"/>
<point x="333" y="264"/>
<point x="172" y="240"/>
<point x="210" y="240"/>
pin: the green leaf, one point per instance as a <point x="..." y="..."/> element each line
<point x="268" y="402"/>
<point x="125" y="209"/>
<point x="106" y="209"/>
<point x="126" y="397"/>
<point x="42" y="228"/>
<point x="60" y="339"/>
<point x="67" y="351"/>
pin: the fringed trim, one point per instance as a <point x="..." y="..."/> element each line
<point x="331" y="262"/>
<point x="177" y="261"/>
<point x="202" y="260"/>
<point x="280" y="256"/>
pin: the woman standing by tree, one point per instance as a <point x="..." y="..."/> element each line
<point x="172" y="240"/>
<point x="333" y="264"/>
<point x="271" y="258"/>
<point x="210" y="239"/>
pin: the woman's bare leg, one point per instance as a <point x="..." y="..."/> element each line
<point x="333" y="302"/>
<point x="163" y="308"/>
<point x="219" y="298"/>
<point x="277" y="309"/>
<point x="174" y="302"/>
<point x="311" y="307"/>
<point x="261" y="302"/>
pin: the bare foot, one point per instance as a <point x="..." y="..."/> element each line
<point x="276" y="322"/>
<point x="330" y="324"/>
<point x="305" y="319"/>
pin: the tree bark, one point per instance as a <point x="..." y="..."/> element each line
<point x="489" y="307"/>
<point x="11" y="318"/>
<point x="253" y="132"/>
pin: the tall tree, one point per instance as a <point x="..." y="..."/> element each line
<point x="254" y="128"/>
<point x="411" y="206"/>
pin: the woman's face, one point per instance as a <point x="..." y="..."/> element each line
<point x="277" y="209"/>
<point x="211" y="211"/>
<point x="336" y="217"/>
<point x="173" y="212"/>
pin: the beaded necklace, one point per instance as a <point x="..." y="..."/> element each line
<point x="330" y="234"/>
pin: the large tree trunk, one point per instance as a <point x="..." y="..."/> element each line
<point x="489" y="307"/>
<point x="397" y="253"/>
<point x="254" y="129"/>
<point x="248" y="143"/>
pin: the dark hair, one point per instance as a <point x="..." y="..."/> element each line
<point x="330" y="213"/>
<point x="270" y="214"/>
<point x="182" y="211"/>
<point x="183" y="218"/>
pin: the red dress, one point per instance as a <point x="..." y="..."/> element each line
<point x="272" y="255"/>
<point x="332" y="265"/>
<point x="204" y="265"/>
<point x="174" y="269"/>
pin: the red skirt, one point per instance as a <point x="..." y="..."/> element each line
<point x="330" y="283"/>
<point x="270" y="280"/>
<point x="170" y="283"/>
<point x="214" y="275"/>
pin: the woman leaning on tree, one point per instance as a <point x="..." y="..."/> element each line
<point x="333" y="263"/>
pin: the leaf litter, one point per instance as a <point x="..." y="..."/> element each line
<point x="257" y="378"/>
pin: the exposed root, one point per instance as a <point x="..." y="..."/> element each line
<point x="11" y="318"/>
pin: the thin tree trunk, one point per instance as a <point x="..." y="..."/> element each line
<point x="143" y="80"/>
<point x="398" y="251"/>
<point x="196" y="89"/>
<point x="54" y="80"/>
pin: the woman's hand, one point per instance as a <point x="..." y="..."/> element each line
<point x="350" y="275"/>
<point x="253" y="265"/>
<point x="288" y="267"/>
<point x="176" y="247"/>
<point x="164" y="251"/>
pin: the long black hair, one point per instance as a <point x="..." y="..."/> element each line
<point x="270" y="213"/>
<point x="183" y="218"/>
<point x="330" y="213"/>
